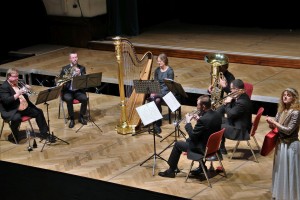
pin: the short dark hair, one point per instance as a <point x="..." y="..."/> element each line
<point x="205" y="100"/>
<point x="238" y="83"/>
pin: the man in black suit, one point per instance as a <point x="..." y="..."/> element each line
<point x="208" y="122"/>
<point x="238" y="110"/>
<point x="69" y="94"/>
<point x="15" y="104"/>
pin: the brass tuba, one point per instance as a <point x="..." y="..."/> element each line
<point x="216" y="60"/>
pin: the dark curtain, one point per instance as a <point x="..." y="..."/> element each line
<point x="122" y="17"/>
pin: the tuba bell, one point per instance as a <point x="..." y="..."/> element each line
<point x="216" y="60"/>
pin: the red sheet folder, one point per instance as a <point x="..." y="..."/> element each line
<point x="269" y="142"/>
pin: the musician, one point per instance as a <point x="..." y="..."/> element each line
<point x="163" y="71"/>
<point x="238" y="110"/>
<point x="208" y="122"/>
<point x="69" y="94"/>
<point x="225" y="81"/>
<point x="285" y="176"/>
<point x="15" y="104"/>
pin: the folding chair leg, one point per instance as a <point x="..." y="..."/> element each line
<point x="2" y="128"/>
<point x="32" y="130"/>
<point x="221" y="164"/>
<point x="252" y="151"/>
<point x="235" y="148"/>
<point x="258" y="147"/>
<point x="61" y="107"/>
<point x="187" y="176"/>
<point x="205" y="173"/>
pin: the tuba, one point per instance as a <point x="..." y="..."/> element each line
<point x="216" y="60"/>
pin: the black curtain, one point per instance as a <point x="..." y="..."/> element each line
<point x="122" y="17"/>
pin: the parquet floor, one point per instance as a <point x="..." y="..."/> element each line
<point x="116" y="158"/>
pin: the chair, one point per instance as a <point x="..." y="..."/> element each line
<point x="61" y="106"/>
<point x="252" y="134"/>
<point x="24" y="119"/>
<point x="212" y="147"/>
<point x="248" y="89"/>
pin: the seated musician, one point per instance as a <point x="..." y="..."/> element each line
<point x="69" y="94"/>
<point x="15" y="104"/>
<point x="163" y="71"/>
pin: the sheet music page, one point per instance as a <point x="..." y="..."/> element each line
<point x="149" y="113"/>
<point x="171" y="101"/>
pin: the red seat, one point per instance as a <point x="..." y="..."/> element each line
<point x="212" y="147"/>
<point x="24" y="119"/>
<point x="252" y="133"/>
<point x="248" y="89"/>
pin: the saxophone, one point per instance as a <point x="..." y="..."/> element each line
<point x="216" y="60"/>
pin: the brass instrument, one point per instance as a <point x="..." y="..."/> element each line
<point x="233" y="95"/>
<point x="25" y="88"/>
<point x="195" y="112"/>
<point x="216" y="60"/>
<point x="68" y="76"/>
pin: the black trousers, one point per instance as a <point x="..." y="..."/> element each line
<point x="178" y="148"/>
<point x="33" y="112"/>
<point x="69" y="96"/>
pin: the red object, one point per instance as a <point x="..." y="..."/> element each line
<point x="269" y="142"/>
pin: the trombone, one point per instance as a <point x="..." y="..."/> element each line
<point x="26" y="88"/>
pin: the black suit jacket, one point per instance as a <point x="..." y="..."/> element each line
<point x="239" y="118"/>
<point x="209" y="123"/>
<point x="10" y="105"/>
<point x="65" y="69"/>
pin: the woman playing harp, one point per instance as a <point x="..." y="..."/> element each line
<point x="130" y="67"/>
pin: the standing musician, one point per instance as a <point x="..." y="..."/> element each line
<point x="69" y="94"/>
<point x="238" y="108"/>
<point x="15" y="104"/>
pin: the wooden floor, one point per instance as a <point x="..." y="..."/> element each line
<point x="105" y="155"/>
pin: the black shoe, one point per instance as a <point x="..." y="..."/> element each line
<point x="72" y="123"/>
<point x="223" y="151"/>
<point x="168" y="173"/>
<point x="177" y="170"/>
<point x="82" y="120"/>
<point x="198" y="171"/>
<point x="157" y="129"/>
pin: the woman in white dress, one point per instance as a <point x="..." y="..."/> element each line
<point x="286" y="165"/>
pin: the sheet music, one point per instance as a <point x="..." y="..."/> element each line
<point x="149" y="113"/>
<point x="171" y="101"/>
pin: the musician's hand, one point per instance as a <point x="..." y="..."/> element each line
<point x="223" y="83"/>
<point x="188" y="118"/>
<point x="210" y="88"/>
<point x="152" y="95"/>
<point x="227" y="100"/>
<point x="77" y="71"/>
<point x="28" y="86"/>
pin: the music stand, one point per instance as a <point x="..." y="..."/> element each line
<point x="146" y="87"/>
<point x="175" y="88"/>
<point x="147" y="119"/>
<point x="45" y="96"/>
<point x="87" y="81"/>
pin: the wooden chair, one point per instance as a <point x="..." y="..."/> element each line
<point x="252" y="134"/>
<point x="212" y="147"/>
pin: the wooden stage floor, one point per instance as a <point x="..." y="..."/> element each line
<point x="108" y="156"/>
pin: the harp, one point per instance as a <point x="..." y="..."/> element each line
<point x="130" y="67"/>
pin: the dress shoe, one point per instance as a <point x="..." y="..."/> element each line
<point x="72" y="123"/>
<point x="50" y="138"/>
<point x="168" y="173"/>
<point x="198" y="171"/>
<point x="82" y="120"/>
<point x="223" y="151"/>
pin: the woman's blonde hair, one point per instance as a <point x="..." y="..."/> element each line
<point x="295" y="103"/>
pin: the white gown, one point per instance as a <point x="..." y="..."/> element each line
<point x="286" y="172"/>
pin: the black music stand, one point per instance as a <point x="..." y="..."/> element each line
<point x="147" y="119"/>
<point x="146" y="87"/>
<point x="45" y="96"/>
<point x="84" y="82"/>
<point x="176" y="88"/>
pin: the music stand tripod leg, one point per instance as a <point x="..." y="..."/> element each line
<point x="154" y="155"/>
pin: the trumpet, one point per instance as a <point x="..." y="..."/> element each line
<point x="25" y="88"/>
<point x="195" y="112"/>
